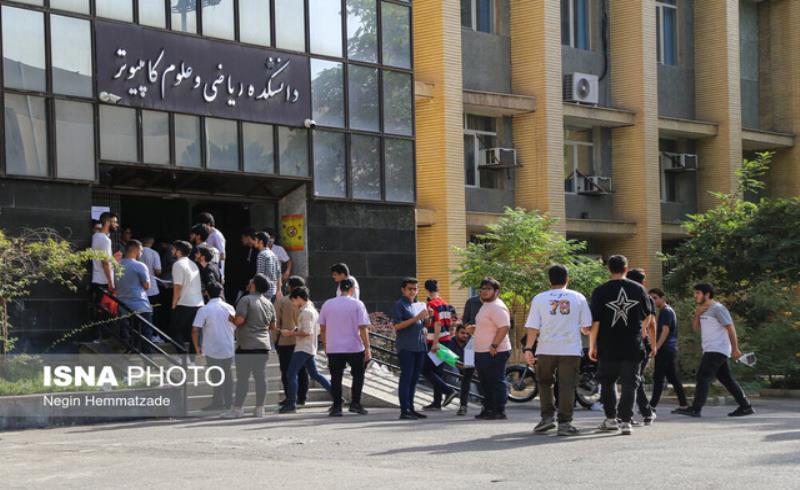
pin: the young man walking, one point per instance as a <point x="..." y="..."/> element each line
<point x="340" y="272"/>
<point x="408" y="319"/>
<point x="214" y="321"/>
<point x="648" y="332"/>
<point x="288" y="315"/>
<point x="667" y="348"/>
<point x="187" y="292"/>
<point x="438" y="330"/>
<point x="492" y="350"/>
<point x="619" y="308"/>
<point x="344" y="324"/>
<point x="720" y="342"/>
<point x="557" y="318"/>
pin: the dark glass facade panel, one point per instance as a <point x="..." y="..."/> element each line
<point x="293" y="151"/>
<point x="23" y="49"/>
<point x="365" y="167"/>
<point x="183" y="15"/>
<point x="397" y="103"/>
<point x="222" y="144"/>
<point x="71" y="51"/>
<point x="329" y="164"/>
<point x="258" y="148"/>
<point x="362" y="30"/>
<point x="254" y="25"/>
<point x="118" y="134"/>
<point x="218" y="19"/>
<point x="364" y="98"/>
<point x="74" y="140"/>
<point x="114" y="9"/>
<point x="399" y="161"/>
<point x="327" y="93"/>
<point x="81" y="6"/>
<point x="325" y="26"/>
<point x="155" y="137"/>
<point x="152" y="13"/>
<point x="396" y="35"/>
<point x="187" y="141"/>
<point x="290" y="32"/>
<point x="25" y="135"/>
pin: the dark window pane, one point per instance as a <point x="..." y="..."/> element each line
<point x="117" y="134"/>
<point x="222" y="144"/>
<point x="329" y="164"/>
<point x="670" y="36"/>
<point x="71" y="48"/>
<point x="399" y="170"/>
<point x="259" y="148"/>
<point x="293" y="151"/>
<point x="151" y="13"/>
<point x="325" y="24"/>
<point x="364" y="109"/>
<point x="362" y="30"/>
<point x="485" y="15"/>
<point x="565" y="22"/>
<point x="81" y="6"/>
<point x="23" y="49"/>
<point x="115" y="9"/>
<point x="187" y="141"/>
<point x="365" y="164"/>
<point x="397" y="103"/>
<point x="290" y="32"/>
<point x="26" y="135"/>
<point x="469" y="160"/>
<point x="218" y="19"/>
<point x="396" y="25"/>
<point x="74" y="140"/>
<point x="581" y="13"/>
<point x="466" y="13"/>
<point x="327" y="93"/>
<point x="155" y="137"/>
<point x="183" y="15"/>
<point x="254" y="22"/>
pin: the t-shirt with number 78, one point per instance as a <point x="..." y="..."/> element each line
<point x="558" y="315"/>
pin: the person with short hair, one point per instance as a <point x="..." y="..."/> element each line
<point x="557" y="318"/>
<point x="215" y="239"/>
<point x="638" y="275"/>
<point x="340" y="272"/>
<point x="438" y="326"/>
<point x="187" y="292"/>
<point x="152" y="260"/>
<point x="132" y="288"/>
<point x="248" y="240"/>
<point x="344" y="323"/>
<point x="198" y="236"/>
<point x="103" y="269"/>
<point x="283" y="256"/>
<point x="209" y="271"/>
<point x="213" y="320"/>
<point x="720" y="343"/>
<point x="268" y="265"/>
<point x="408" y="320"/>
<point x="492" y="350"/>
<point x="458" y="344"/>
<point x="287" y="316"/>
<point x="304" y="353"/>
<point x="667" y="351"/>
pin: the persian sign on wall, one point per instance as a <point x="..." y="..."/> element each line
<point x="151" y="69"/>
<point x="292" y="236"/>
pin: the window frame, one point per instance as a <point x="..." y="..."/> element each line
<point x="572" y="20"/>
<point x="473" y="13"/>
<point x="475" y="134"/>
<point x="661" y="6"/>
<point x="575" y="144"/>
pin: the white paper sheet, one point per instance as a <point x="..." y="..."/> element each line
<point x="417" y="308"/>
<point x="435" y="359"/>
<point x="469" y="353"/>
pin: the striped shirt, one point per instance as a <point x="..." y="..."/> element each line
<point x="269" y="265"/>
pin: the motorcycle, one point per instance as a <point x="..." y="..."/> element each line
<point x="522" y="386"/>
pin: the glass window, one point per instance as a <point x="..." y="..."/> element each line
<point x="396" y="26"/>
<point x="23" y="49"/>
<point x="329" y="164"/>
<point x="477" y="15"/>
<point x="81" y="6"/>
<point x="362" y="30"/>
<point x="325" y="24"/>
<point x="114" y="9"/>
<point x="187" y="141"/>
<point x="74" y="140"/>
<point x="578" y="157"/>
<point x="364" y="98"/>
<point x="667" y="32"/>
<point x="293" y="151"/>
<point x="365" y="165"/>
<point x="118" y="134"/>
<point x="155" y="137"/>
<point x="575" y="23"/>
<point x="183" y="15"/>
<point x="26" y="135"/>
<point x="327" y="93"/>
<point x="152" y="13"/>
<point x="259" y="148"/>
<point x="399" y="158"/>
<point x="397" y="103"/>
<point x="218" y="19"/>
<point x="479" y="135"/>
<point x="254" y="22"/>
<point x="290" y="32"/>
<point x="71" y="49"/>
<point x="32" y="2"/>
<point x="222" y="144"/>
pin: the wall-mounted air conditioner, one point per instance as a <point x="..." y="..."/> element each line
<point x="582" y="88"/>
<point x="594" y="185"/>
<point x="500" y="157"/>
<point x="678" y="162"/>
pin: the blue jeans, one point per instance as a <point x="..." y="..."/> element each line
<point x="410" y="367"/>
<point x="299" y="361"/>
<point x="492" y="376"/>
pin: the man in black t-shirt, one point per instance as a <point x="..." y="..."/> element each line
<point x="649" y="330"/>
<point x="618" y="309"/>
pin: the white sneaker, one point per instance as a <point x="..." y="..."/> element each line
<point x="649" y="420"/>
<point x="233" y="413"/>
<point x="626" y="428"/>
<point x="610" y="425"/>
<point x="258" y="412"/>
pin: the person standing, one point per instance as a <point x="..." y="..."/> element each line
<point x="283" y="256"/>
<point x="152" y="260"/>
<point x="209" y="272"/>
<point x="132" y="288"/>
<point x="287" y="315"/>
<point x="557" y="318"/>
<point x="408" y="317"/>
<point x="305" y="348"/>
<point x="255" y="318"/>
<point x="214" y="321"/>
<point x="471" y="308"/>
<point x="619" y="308"/>
<point x="198" y="236"/>
<point x="458" y="344"/>
<point x="667" y="348"/>
<point x="720" y="343"/>
<point x="438" y="330"/>
<point x="648" y="332"/>
<point x="187" y="292"/>
<point x="344" y="324"/>
<point x="340" y="272"/>
<point x="492" y="350"/>
<point x="103" y="269"/>
<point x="267" y="263"/>
<point x="215" y="240"/>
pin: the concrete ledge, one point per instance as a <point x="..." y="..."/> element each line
<point x="754" y="140"/>
<point x="425" y="217"/>
<point x="481" y="220"/>
<point x="596" y="227"/>
<point x="673" y="231"/>
<point x="686" y="128"/>
<point x="496" y="104"/>
<point x="590" y="116"/>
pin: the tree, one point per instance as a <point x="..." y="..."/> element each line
<point x="35" y="256"/>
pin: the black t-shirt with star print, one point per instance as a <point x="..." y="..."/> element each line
<point x="620" y="305"/>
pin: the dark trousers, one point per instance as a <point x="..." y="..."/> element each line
<point x="715" y="364"/>
<point x="155" y="303"/>
<point x="223" y="394"/>
<point x="492" y="375"/>
<point x="641" y="395"/>
<point x="181" y="324"/>
<point x="666" y="368"/>
<point x="410" y="369"/>
<point x="435" y="376"/>
<point x="285" y="359"/>
<point x="251" y="361"/>
<point x="466" y="384"/>
<point x="132" y="325"/>
<point x="336" y="365"/>
<point x="608" y="371"/>
<point x="567" y="369"/>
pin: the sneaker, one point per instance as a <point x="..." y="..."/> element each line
<point x="609" y="425"/>
<point x="649" y="420"/>
<point x="449" y="398"/>
<point x="626" y="428"/>
<point x="690" y="412"/>
<point x="258" y="412"/>
<point x="567" y="429"/>
<point x="418" y="415"/>
<point x="432" y="408"/>
<point x="742" y="411"/>
<point x="335" y="411"/>
<point x="288" y="408"/>
<point x="498" y="416"/>
<point x="484" y="415"/>
<point x="233" y="413"/>
<point x="301" y="403"/>
<point x="213" y="407"/>
<point x="462" y="410"/>
<point x="407" y="416"/>
<point x="357" y="409"/>
<point x="283" y="402"/>
<point x="544" y="425"/>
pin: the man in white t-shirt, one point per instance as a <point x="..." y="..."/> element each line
<point x="218" y="348"/>
<point x="557" y="318"/>
<point x="215" y="239"/>
<point x="340" y="272"/>
<point x="187" y="294"/>
<point x="103" y="269"/>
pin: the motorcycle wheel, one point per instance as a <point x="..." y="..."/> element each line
<point x="588" y="391"/>
<point x="521" y="383"/>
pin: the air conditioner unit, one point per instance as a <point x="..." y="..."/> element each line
<point x="595" y="185"/>
<point x="500" y="157"/>
<point x="678" y="162"/>
<point x="582" y="88"/>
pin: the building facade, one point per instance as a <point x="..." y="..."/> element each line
<point x="263" y="112"/>
<point x="618" y="118"/>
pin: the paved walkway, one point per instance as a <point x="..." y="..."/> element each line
<point x="310" y="450"/>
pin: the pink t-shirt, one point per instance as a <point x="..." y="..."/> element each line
<point x="342" y="316"/>
<point x="491" y="317"/>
